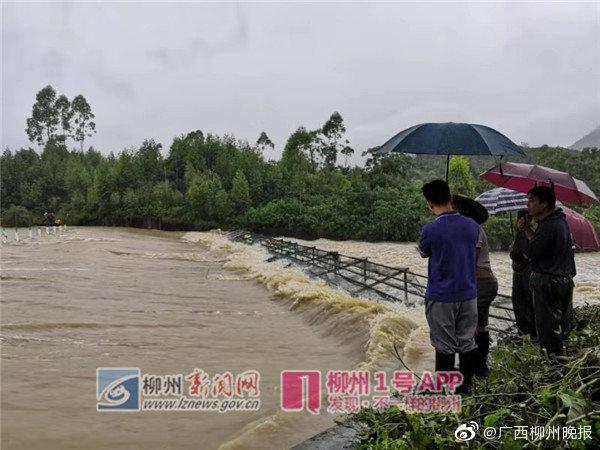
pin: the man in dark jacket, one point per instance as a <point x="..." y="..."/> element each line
<point x="521" y="293"/>
<point x="550" y="252"/>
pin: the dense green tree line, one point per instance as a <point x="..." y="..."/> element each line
<point x="205" y="181"/>
<point x="211" y="181"/>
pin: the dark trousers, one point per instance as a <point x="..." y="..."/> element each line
<point x="553" y="305"/>
<point x="523" y="303"/>
<point x="487" y="289"/>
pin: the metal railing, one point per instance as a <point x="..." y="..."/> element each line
<point x="388" y="283"/>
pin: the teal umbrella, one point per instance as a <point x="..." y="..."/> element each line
<point x="451" y="139"/>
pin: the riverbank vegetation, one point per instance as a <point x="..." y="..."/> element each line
<point x="524" y="388"/>
<point x="205" y="181"/>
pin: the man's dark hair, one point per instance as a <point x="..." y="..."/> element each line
<point x="436" y="192"/>
<point x="544" y="194"/>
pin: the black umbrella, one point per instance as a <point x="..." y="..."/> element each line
<point x="470" y="208"/>
<point x="451" y="139"/>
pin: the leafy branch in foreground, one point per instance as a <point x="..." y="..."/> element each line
<point x="524" y="388"/>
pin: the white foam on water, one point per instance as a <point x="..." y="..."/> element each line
<point x="404" y="254"/>
<point x="378" y="328"/>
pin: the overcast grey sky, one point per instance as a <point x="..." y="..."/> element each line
<point x="530" y="70"/>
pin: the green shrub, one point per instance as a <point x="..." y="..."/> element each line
<point x="524" y="388"/>
<point x="18" y="216"/>
<point x="498" y="230"/>
<point x="592" y="213"/>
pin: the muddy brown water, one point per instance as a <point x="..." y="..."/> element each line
<point x="95" y="297"/>
<point x="168" y="302"/>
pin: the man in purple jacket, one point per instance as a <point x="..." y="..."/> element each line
<point x="451" y="298"/>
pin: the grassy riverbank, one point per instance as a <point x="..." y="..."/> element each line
<point x="524" y="388"/>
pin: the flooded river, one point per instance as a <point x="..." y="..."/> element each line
<point x="404" y="254"/>
<point x="171" y="302"/>
<point x="164" y="302"/>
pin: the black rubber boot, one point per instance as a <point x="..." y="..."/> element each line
<point x="467" y="363"/>
<point x="483" y="348"/>
<point x="444" y="361"/>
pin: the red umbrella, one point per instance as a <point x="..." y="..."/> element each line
<point x="522" y="177"/>
<point x="583" y="232"/>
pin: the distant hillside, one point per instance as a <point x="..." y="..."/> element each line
<point x="589" y="140"/>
